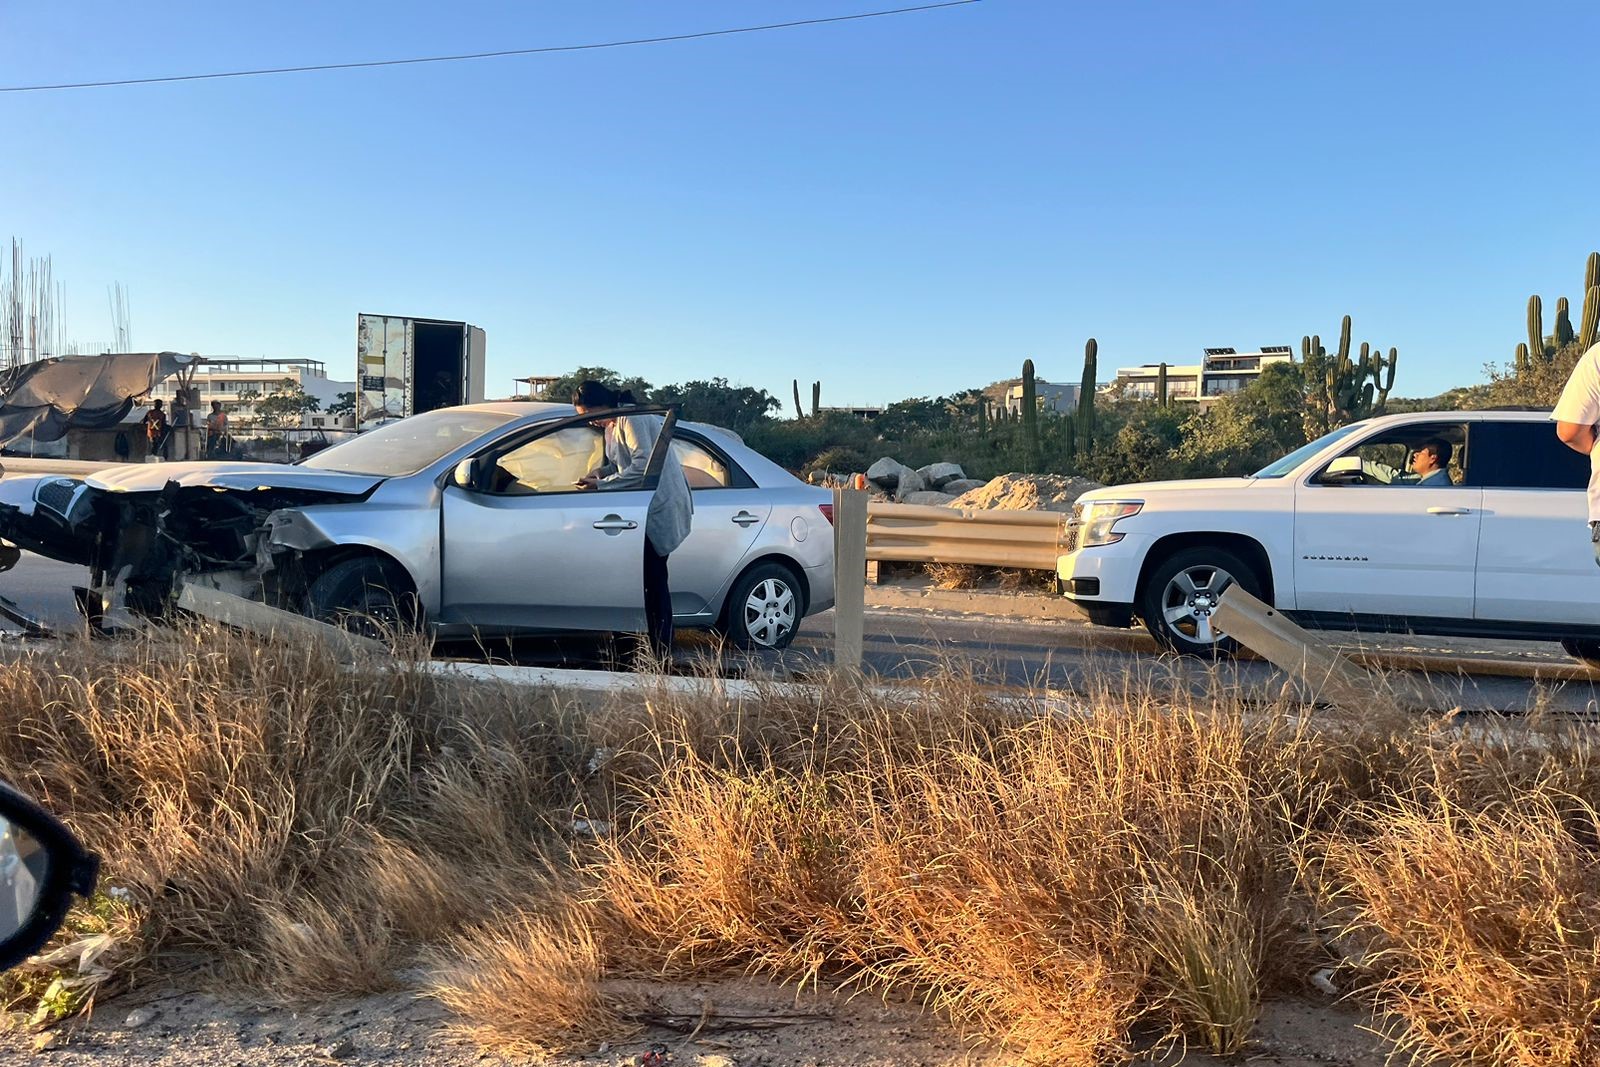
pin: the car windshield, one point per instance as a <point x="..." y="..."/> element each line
<point x="407" y="445"/>
<point x="1288" y="463"/>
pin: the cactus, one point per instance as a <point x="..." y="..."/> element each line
<point x="983" y="417"/>
<point x="1541" y="348"/>
<point x="1161" y="385"/>
<point x="799" y="411"/>
<point x="1030" y="417"/>
<point x="1564" y="332"/>
<point x="1341" y="389"/>
<point x="816" y="399"/>
<point x="1085" y="421"/>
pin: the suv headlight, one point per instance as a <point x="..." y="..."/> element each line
<point x="1095" y="520"/>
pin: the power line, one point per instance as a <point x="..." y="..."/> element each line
<point x="489" y="55"/>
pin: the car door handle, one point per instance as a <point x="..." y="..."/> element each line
<point x="1449" y="511"/>
<point x="744" y="518"/>
<point x="616" y="522"/>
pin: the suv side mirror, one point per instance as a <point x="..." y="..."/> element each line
<point x="42" y="866"/>
<point x="465" y="476"/>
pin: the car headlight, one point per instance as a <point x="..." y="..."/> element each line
<point x="1095" y="520"/>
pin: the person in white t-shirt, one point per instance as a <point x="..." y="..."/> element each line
<point x="1577" y="419"/>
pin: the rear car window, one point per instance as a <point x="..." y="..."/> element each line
<point x="1524" y="455"/>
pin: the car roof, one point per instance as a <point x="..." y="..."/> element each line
<point x="1475" y="415"/>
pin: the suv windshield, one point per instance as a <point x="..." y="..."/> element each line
<point x="1288" y="463"/>
<point x="408" y="445"/>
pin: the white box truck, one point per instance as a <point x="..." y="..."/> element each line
<point x="406" y="364"/>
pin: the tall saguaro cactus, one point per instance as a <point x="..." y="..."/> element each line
<point x="1542" y="348"/>
<point x="1340" y="389"/>
<point x="1085" y="427"/>
<point x="799" y="409"/>
<point x="816" y="399"/>
<point x="1161" y="385"/>
<point x="1030" y="416"/>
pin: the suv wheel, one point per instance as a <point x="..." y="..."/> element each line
<point x="1180" y="595"/>
<point x="1586" y="650"/>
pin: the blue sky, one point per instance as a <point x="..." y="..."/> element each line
<point x="900" y="206"/>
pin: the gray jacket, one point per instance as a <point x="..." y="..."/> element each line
<point x="629" y="441"/>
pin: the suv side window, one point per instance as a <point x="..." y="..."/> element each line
<point x="1524" y="455"/>
<point x="1386" y="458"/>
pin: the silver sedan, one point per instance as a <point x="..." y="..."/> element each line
<point x="466" y="520"/>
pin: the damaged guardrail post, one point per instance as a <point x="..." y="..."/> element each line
<point x="1321" y="673"/>
<point x="849" y="576"/>
<point x="264" y="619"/>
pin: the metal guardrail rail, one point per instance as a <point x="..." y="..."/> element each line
<point x="916" y="533"/>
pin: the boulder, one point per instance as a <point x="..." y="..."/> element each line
<point x="910" y="482"/>
<point x="886" y="473"/>
<point x="938" y="475"/>
<point x="963" y="485"/>
<point x="929" y="497"/>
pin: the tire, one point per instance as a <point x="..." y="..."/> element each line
<point x="764" y="609"/>
<point x="1586" y="650"/>
<point x="1178" y="597"/>
<point x="365" y="595"/>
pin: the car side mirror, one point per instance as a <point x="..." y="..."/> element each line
<point x="42" y="866"/>
<point x="465" y="476"/>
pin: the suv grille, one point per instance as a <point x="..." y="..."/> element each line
<point x="56" y="495"/>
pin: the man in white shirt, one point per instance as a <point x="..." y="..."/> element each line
<point x="1576" y="416"/>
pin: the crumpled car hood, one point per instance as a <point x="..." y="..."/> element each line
<point x="152" y="477"/>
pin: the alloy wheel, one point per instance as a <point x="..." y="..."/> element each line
<point x="769" y="612"/>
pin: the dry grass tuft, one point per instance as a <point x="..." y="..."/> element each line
<point x="1050" y="874"/>
<point x="529" y="985"/>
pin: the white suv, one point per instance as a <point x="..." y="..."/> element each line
<point x="1335" y="536"/>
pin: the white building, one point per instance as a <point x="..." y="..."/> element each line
<point x="228" y="380"/>
<point x="1220" y="372"/>
<point x="1051" y="396"/>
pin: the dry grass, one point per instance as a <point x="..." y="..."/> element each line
<point x="1002" y="579"/>
<point x="1052" y="878"/>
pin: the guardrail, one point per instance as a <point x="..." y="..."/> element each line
<point x="916" y="533"/>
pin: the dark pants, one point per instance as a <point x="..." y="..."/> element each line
<point x="657" y="603"/>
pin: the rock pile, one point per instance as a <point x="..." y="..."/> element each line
<point x="937" y="483"/>
<point x="947" y="485"/>
<point x="1027" y="492"/>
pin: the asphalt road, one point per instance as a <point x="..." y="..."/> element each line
<point x="912" y="643"/>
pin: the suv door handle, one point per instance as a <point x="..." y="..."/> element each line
<point x="1449" y="511"/>
<point x="744" y="518"/>
<point x="615" y="522"/>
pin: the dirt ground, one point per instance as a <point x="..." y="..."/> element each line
<point x="175" y="1028"/>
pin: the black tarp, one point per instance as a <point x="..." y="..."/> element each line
<point x="47" y="398"/>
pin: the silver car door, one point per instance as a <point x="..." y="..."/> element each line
<point x="523" y="547"/>
<point x="730" y="512"/>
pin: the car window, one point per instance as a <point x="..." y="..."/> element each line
<point x="1525" y="455"/>
<point x="702" y="469"/>
<point x="1390" y="458"/>
<point x="408" y="445"/>
<point x="552" y="463"/>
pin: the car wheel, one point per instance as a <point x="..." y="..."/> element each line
<point x="365" y="595"/>
<point x="1586" y="650"/>
<point x="1181" y="593"/>
<point x="765" y="607"/>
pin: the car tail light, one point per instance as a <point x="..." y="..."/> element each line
<point x="827" y="512"/>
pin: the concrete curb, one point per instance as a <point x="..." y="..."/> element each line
<point x="1078" y="633"/>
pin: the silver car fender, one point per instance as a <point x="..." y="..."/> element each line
<point x="407" y="534"/>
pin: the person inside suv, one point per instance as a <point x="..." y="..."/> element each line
<point x="1430" y="462"/>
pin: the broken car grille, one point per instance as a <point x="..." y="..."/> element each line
<point x="56" y="495"/>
